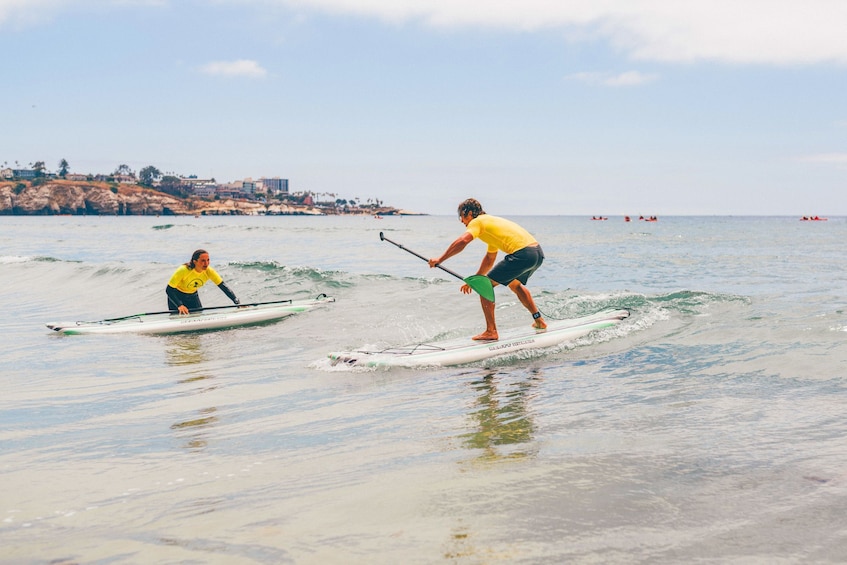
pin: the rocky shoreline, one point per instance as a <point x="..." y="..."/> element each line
<point x="58" y="197"/>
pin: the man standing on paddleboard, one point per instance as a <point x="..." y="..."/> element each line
<point x="182" y="288"/>
<point x="523" y="257"/>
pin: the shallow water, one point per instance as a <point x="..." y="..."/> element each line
<point x="707" y="427"/>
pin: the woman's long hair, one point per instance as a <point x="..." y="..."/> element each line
<point x="194" y="256"/>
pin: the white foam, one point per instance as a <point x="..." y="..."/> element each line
<point x="14" y="259"/>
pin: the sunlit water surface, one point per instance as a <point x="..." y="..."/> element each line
<point x="709" y="426"/>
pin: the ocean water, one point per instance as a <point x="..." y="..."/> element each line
<point x="709" y="427"/>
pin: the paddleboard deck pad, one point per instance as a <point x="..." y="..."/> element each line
<point x="466" y="350"/>
<point x="209" y="319"/>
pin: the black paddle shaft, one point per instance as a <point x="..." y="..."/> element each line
<point x="419" y="256"/>
<point x="195" y="311"/>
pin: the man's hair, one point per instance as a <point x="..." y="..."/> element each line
<point x="471" y="206"/>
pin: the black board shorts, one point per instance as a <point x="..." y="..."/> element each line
<point x="518" y="265"/>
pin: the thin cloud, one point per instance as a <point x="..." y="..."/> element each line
<point x="242" y="68"/>
<point x="768" y="32"/>
<point x="628" y="78"/>
<point x="772" y="32"/>
<point x="27" y="12"/>
<point x="22" y="14"/>
<point x="826" y="158"/>
<point x="140" y="2"/>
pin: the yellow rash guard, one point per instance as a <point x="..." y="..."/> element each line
<point x="188" y="280"/>
<point x="500" y="233"/>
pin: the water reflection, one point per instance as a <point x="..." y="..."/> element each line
<point x="505" y="429"/>
<point x="194" y="428"/>
<point x="185" y="350"/>
<point x="459" y="545"/>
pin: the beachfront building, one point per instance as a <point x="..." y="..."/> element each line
<point x="236" y="187"/>
<point x="125" y="179"/>
<point x="227" y="191"/>
<point x="248" y="186"/>
<point x="23" y="174"/>
<point x="206" y="189"/>
<point x="194" y="181"/>
<point x="5" y="173"/>
<point x="274" y="186"/>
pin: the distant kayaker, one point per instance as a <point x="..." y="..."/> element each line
<point x="182" y="288"/>
<point x="523" y="257"/>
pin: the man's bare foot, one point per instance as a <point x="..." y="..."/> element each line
<point x="539" y="325"/>
<point x="486" y="336"/>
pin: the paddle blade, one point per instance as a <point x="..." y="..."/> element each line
<point x="482" y="285"/>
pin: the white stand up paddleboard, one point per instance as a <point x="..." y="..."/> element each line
<point x="467" y="350"/>
<point x="207" y="319"/>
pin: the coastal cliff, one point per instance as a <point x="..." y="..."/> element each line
<point x="98" y="198"/>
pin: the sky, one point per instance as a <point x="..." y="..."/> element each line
<point x="612" y="107"/>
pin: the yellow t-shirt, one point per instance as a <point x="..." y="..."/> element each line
<point x="500" y="233"/>
<point x="188" y="280"/>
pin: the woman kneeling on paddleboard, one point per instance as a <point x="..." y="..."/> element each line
<point x="182" y="288"/>
<point x="523" y="257"/>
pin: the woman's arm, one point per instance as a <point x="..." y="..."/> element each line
<point x="175" y="300"/>
<point x="228" y="292"/>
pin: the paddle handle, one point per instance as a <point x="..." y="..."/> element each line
<point x="419" y="256"/>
